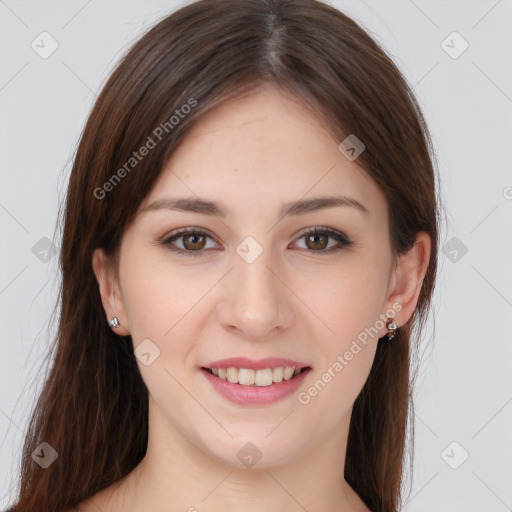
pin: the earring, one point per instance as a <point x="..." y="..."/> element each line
<point x="114" y="323"/>
<point x="391" y="325"/>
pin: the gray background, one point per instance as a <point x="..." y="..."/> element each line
<point x="464" y="392"/>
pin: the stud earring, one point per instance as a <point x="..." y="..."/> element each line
<point x="114" y="323"/>
<point x="391" y="325"/>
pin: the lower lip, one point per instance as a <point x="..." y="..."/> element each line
<point x="255" y="395"/>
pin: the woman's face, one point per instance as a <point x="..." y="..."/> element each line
<point x="251" y="283"/>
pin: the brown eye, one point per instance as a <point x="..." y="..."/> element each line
<point x="324" y="240"/>
<point x="194" y="241"/>
<point x="317" y="242"/>
<point x="190" y="242"/>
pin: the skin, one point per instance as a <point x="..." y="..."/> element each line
<point x="253" y="154"/>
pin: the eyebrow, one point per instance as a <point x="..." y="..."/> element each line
<point x="300" y="207"/>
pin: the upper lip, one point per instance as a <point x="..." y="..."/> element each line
<point x="252" y="364"/>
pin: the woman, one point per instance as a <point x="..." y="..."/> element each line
<point x="248" y="257"/>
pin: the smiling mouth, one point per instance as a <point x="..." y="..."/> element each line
<point x="256" y="378"/>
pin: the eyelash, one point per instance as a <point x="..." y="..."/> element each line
<point x="342" y="240"/>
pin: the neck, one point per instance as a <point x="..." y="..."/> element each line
<point x="176" y="475"/>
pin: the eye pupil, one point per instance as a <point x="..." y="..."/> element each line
<point x="315" y="237"/>
<point x="194" y="244"/>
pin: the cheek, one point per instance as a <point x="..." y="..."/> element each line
<point x="349" y="304"/>
<point x="347" y="348"/>
<point x="162" y="308"/>
<point x="347" y="297"/>
<point x="159" y="298"/>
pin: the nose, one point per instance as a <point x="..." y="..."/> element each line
<point x="255" y="302"/>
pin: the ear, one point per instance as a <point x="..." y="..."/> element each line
<point x="110" y="291"/>
<point x="407" y="278"/>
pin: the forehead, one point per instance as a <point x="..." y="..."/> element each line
<point x="262" y="149"/>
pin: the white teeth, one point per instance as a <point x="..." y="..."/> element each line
<point x="249" y="377"/>
<point x="277" y="375"/>
<point x="232" y="375"/>
<point x="246" y="377"/>
<point x="263" y="377"/>
<point x="288" y="372"/>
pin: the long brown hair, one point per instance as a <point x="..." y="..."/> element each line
<point x="93" y="408"/>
